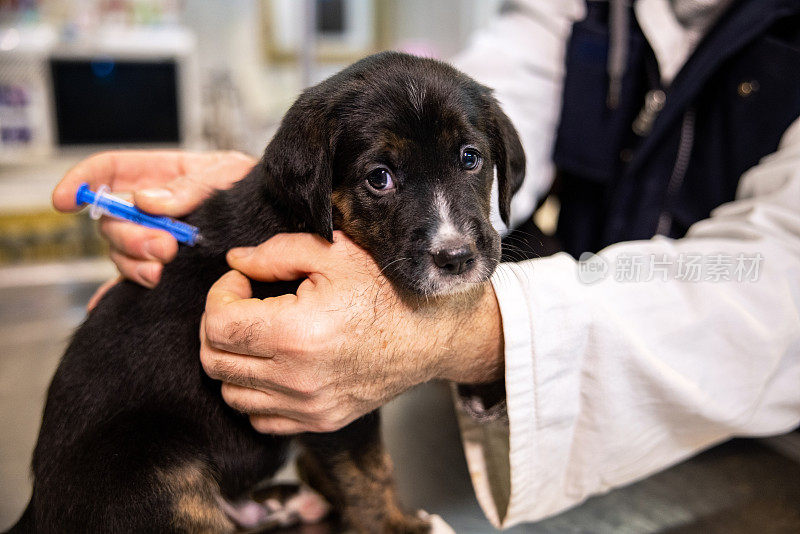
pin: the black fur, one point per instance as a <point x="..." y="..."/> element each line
<point x="130" y="400"/>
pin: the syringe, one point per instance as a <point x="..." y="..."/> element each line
<point x="102" y="203"/>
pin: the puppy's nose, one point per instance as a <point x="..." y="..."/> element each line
<point x="454" y="260"/>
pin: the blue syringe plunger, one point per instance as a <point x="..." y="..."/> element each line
<point x="102" y="203"/>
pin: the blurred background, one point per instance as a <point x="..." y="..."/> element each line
<point x="78" y="76"/>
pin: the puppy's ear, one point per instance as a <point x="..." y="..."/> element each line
<point x="298" y="166"/>
<point x="508" y="156"/>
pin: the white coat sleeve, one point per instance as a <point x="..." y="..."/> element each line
<point x="520" y="55"/>
<point x="610" y="381"/>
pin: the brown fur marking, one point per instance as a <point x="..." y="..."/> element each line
<point x="361" y="232"/>
<point x="194" y="494"/>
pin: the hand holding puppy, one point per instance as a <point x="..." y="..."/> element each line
<point x="345" y="344"/>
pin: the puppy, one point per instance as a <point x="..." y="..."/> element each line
<point x="399" y="152"/>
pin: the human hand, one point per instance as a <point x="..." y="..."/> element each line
<point x="165" y="182"/>
<point x="344" y="345"/>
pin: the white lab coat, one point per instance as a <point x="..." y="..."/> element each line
<point x="611" y="381"/>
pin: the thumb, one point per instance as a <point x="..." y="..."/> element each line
<point x="175" y="198"/>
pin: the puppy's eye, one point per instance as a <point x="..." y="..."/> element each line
<point x="380" y="181"/>
<point x="470" y="159"/>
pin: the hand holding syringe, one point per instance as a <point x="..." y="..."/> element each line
<point x="103" y="203"/>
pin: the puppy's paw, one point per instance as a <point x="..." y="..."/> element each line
<point x="308" y="505"/>
<point x="437" y="524"/>
<point x="278" y="506"/>
<point x="421" y="523"/>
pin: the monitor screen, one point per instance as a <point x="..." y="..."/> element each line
<point x="102" y="101"/>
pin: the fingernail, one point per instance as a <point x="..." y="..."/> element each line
<point x="241" y="252"/>
<point x="156" y="193"/>
<point x="150" y="273"/>
<point x="157" y="248"/>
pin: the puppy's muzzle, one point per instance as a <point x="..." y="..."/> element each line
<point x="454" y="258"/>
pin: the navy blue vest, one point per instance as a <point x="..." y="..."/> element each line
<point x="726" y="109"/>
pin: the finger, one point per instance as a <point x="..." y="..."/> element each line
<point x="221" y="168"/>
<point x="237" y="323"/>
<point x="145" y="273"/>
<point x="139" y="242"/>
<point x="101" y="291"/>
<point x="254" y="372"/>
<point x="231" y="286"/>
<point x="239" y="369"/>
<point x="270" y="424"/>
<point x="257" y="402"/>
<point x="129" y="170"/>
<point x="121" y="170"/>
<point x="202" y="176"/>
<point x="175" y="198"/>
<point x="283" y="257"/>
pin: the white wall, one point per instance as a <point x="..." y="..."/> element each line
<point x="229" y="37"/>
<point x="446" y="24"/>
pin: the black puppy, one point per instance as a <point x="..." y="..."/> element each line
<point x="399" y="152"/>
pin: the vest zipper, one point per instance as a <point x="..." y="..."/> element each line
<point x="678" y="171"/>
<point x="654" y="102"/>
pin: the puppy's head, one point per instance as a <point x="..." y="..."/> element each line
<point x="400" y="152"/>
